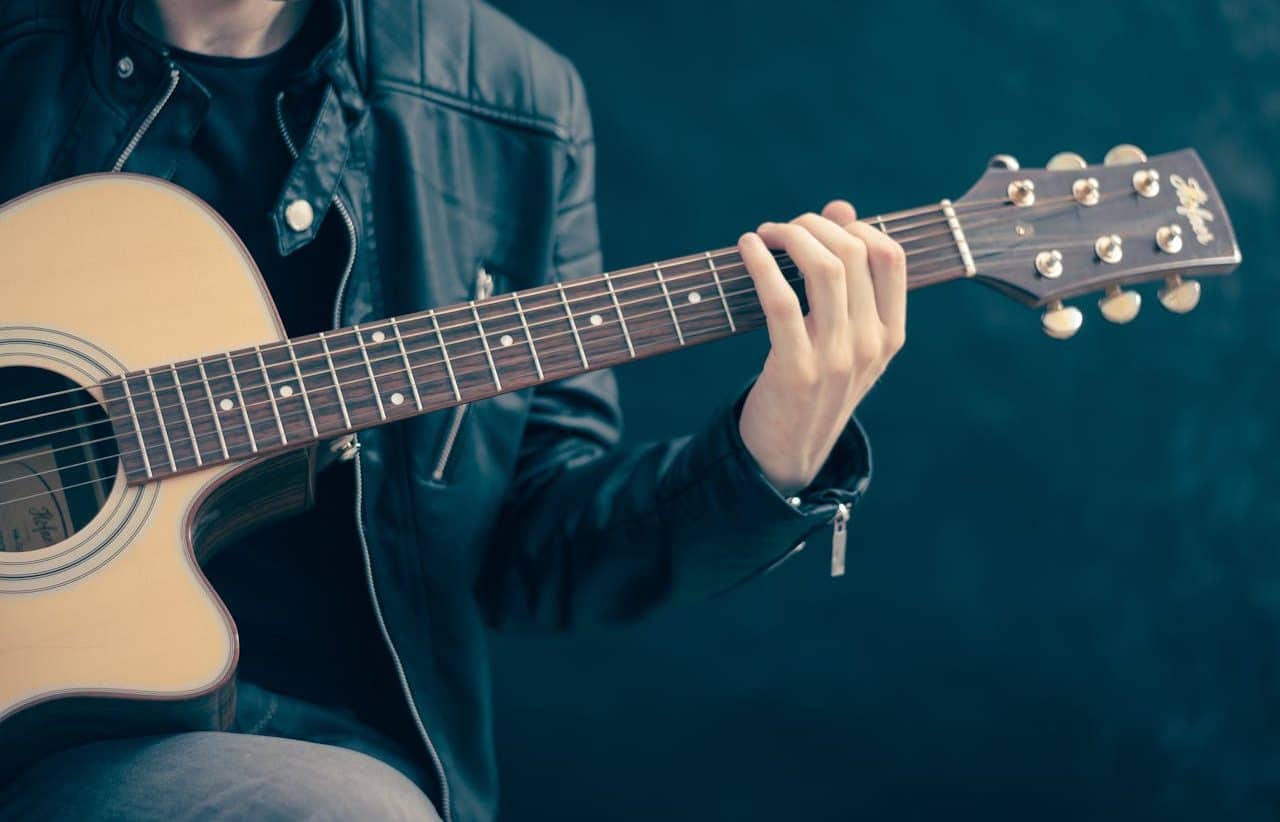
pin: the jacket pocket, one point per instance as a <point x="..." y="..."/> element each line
<point x="449" y="441"/>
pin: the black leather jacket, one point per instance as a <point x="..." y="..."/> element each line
<point x="447" y="140"/>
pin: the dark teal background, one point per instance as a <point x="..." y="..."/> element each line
<point x="1064" y="585"/>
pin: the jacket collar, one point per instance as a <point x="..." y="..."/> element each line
<point x="132" y="69"/>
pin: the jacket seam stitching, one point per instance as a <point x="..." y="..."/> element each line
<point x="551" y="128"/>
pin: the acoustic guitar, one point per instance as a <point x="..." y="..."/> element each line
<point x="147" y="418"/>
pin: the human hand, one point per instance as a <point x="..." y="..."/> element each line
<point x="821" y="364"/>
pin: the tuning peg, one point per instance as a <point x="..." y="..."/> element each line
<point x="1169" y="238"/>
<point x="1022" y="192"/>
<point x="1006" y="161"/>
<point x="1086" y="191"/>
<point x="1065" y="161"/>
<point x="1146" y="181"/>
<point x="1109" y="248"/>
<point x="1179" y="295"/>
<point x="1061" y="322"/>
<point x="1049" y="263"/>
<point x="1120" y="306"/>
<point x="1123" y="155"/>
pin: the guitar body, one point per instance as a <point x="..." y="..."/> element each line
<point x="109" y="626"/>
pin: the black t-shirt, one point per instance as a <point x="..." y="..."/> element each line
<point x="297" y="588"/>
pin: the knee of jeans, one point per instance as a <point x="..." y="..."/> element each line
<point x="340" y="785"/>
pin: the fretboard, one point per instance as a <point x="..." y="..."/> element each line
<point x="241" y="404"/>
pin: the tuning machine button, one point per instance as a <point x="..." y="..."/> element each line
<point x="1061" y="321"/>
<point x="1179" y="295"/>
<point x="1065" y="161"/>
<point x="1109" y="248"/>
<point x="1022" y="192"/>
<point x="1119" y="305"/>
<point x="1006" y="161"/>
<point x="1049" y="263"/>
<point x="1169" y="238"/>
<point x="1086" y="191"/>
<point x="1123" y="155"/>
<point x="1146" y="181"/>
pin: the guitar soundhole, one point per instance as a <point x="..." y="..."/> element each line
<point x="57" y="458"/>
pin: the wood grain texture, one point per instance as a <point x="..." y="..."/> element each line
<point x="148" y="274"/>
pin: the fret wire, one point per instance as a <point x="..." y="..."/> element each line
<point x="271" y="394"/>
<point x="408" y="367"/>
<point x="337" y="386"/>
<point x="528" y="335"/>
<point x="444" y="353"/>
<point x="484" y="340"/>
<point x="186" y="415"/>
<point x="657" y="269"/>
<point x="244" y="411"/>
<point x="217" y="421"/>
<point x="209" y="394"/>
<point x="302" y="389"/>
<point x="621" y="317"/>
<point x="966" y="208"/>
<point x="573" y="326"/>
<point x="137" y="427"/>
<point x="622" y="321"/>
<point x="715" y="272"/>
<point x="373" y="381"/>
<point x="164" y="426"/>
<point x="614" y="291"/>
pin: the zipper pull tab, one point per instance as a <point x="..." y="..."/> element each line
<point x="839" y="535"/>
<point x="484" y="284"/>
<point x="345" y="448"/>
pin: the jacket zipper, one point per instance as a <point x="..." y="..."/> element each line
<point x="359" y="501"/>
<point x="174" y="77"/>
<point x="839" y="536"/>
<point x="484" y="289"/>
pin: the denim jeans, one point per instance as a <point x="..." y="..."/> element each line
<point x="285" y="760"/>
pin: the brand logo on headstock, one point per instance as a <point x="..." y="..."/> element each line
<point x="1191" y="199"/>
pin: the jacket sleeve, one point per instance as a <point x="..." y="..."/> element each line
<point x="594" y="532"/>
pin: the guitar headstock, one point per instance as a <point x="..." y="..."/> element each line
<point x="1043" y="235"/>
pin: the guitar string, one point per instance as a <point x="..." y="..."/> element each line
<point x="975" y="206"/>
<point x="556" y="307"/>
<point x="294" y="415"/>
<point x="300" y="415"/>
<point x="324" y="372"/>
<point x="713" y="256"/>
<point x="689" y="259"/>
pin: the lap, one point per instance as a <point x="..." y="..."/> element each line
<point x="213" y="776"/>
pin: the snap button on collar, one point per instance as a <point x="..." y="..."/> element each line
<point x="298" y="215"/>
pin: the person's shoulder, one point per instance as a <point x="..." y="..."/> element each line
<point x="18" y="17"/>
<point x="469" y="53"/>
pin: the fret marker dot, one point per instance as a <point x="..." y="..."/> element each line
<point x="596" y="319"/>
<point x="506" y="339"/>
<point x="397" y="398"/>
<point x="695" y="297"/>
<point x="226" y="405"/>
<point x="378" y="336"/>
<point x="286" y="390"/>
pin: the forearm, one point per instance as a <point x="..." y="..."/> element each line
<point x="611" y="535"/>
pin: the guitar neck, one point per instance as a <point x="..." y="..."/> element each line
<point x="240" y="404"/>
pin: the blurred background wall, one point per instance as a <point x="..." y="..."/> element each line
<point x="1064" y="585"/>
